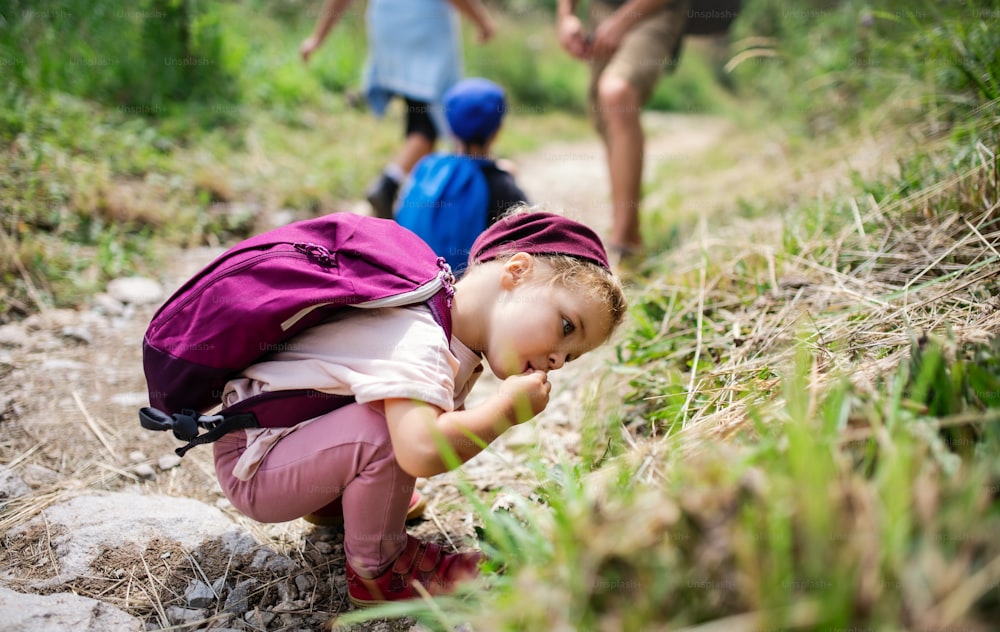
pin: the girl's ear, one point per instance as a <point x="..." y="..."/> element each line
<point x="516" y="270"/>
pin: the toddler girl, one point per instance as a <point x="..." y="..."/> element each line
<point x="538" y="293"/>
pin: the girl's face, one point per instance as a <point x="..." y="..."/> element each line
<point x="541" y="326"/>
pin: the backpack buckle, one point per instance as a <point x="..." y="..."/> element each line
<point x="186" y="424"/>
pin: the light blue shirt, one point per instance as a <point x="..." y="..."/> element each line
<point x="415" y="51"/>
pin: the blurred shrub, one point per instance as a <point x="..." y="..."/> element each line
<point x="139" y="56"/>
<point x="822" y="62"/>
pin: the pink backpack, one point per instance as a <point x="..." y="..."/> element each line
<point x="257" y="295"/>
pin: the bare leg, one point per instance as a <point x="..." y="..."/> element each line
<point x="415" y="147"/>
<point x="383" y="190"/>
<point x="621" y="105"/>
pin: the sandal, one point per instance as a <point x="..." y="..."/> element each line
<point x="421" y="563"/>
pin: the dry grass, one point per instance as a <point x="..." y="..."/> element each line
<point x="739" y="297"/>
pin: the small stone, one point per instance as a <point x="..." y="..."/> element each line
<point x="11" y="484"/>
<point x="168" y="462"/>
<point x="78" y="334"/>
<point x="182" y="616"/>
<point x="144" y="471"/>
<point x="107" y="304"/>
<point x="38" y="475"/>
<point x="304" y="583"/>
<point x="136" y="456"/>
<point x="260" y="558"/>
<point x="238" y="600"/>
<point x="260" y="618"/>
<point x="280" y="564"/>
<point x="199" y="595"/>
<point x="287" y="591"/>
<point x="135" y="290"/>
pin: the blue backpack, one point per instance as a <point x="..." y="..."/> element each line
<point x="445" y="202"/>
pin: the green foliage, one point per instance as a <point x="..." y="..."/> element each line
<point x="828" y="61"/>
<point x="796" y="524"/>
<point x="139" y="56"/>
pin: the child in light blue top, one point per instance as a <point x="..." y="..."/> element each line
<point x="414" y="52"/>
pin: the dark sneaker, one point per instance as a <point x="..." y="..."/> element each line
<point x="421" y="563"/>
<point x="381" y="194"/>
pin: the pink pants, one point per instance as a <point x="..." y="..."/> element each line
<point x="344" y="454"/>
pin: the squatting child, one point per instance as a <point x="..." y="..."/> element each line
<point x="538" y="293"/>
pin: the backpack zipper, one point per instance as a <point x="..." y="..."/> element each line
<point x="223" y="273"/>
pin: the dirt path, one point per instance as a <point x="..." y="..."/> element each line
<point x="71" y="381"/>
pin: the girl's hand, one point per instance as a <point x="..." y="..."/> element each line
<point x="528" y="393"/>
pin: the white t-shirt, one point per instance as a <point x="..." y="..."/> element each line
<point x="372" y="354"/>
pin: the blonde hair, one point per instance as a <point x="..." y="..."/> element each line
<point x="588" y="279"/>
<point x="578" y="275"/>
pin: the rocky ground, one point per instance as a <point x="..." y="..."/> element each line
<point x="104" y="528"/>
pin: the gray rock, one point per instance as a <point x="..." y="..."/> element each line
<point x="107" y="304"/>
<point x="199" y="595"/>
<point x="84" y="525"/>
<point x="135" y="290"/>
<point x="304" y="583"/>
<point x="238" y="600"/>
<point x="78" y="334"/>
<point x="13" y="335"/>
<point x="11" y="484"/>
<point x="281" y="564"/>
<point x="144" y="471"/>
<point x="168" y="462"/>
<point x="177" y="615"/>
<point x="261" y="619"/>
<point x="61" y="611"/>
<point x="38" y="475"/>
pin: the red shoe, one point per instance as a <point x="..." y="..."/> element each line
<point x="333" y="514"/>
<point x="420" y="562"/>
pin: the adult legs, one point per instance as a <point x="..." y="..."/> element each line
<point x="620" y="106"/>
<point x="620" y="86"/>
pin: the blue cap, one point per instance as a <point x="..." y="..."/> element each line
<point x="475" y="108"/>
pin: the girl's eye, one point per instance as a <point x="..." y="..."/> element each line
<point x="568" y="327"/>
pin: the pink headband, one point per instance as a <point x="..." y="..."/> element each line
<point x="539" y="233"/>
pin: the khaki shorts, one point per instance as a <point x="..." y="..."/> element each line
<point x="646" y="52"/>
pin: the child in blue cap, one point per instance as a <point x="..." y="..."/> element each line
<point x="451" y="198"/>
